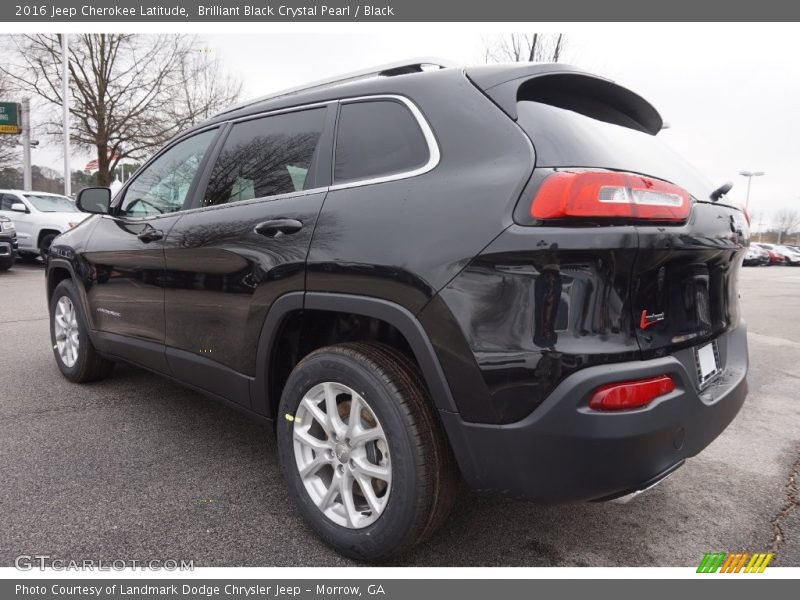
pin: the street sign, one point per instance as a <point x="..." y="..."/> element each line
<point x="9" y="118"/>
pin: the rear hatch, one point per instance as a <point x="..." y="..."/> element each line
<point x="683" y="280"/>
<point x="685" y="288"/>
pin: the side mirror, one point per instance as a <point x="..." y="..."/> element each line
<point x="19" y="207"/>
<point x="95" y="200"/>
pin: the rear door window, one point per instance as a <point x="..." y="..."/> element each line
<point x="268" y="156"/>
<point x="377" y="138"/>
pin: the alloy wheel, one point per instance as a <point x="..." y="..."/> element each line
<point x="66" y="331"/>
<point x="342" y="455"/>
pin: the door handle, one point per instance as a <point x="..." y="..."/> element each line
<point x="150" y="235"/>
<point x="278" y="227"/>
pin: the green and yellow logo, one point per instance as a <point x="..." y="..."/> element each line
<point x="743" y="562"/>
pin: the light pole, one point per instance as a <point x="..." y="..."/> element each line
<point x="65" y="112"/>
<point x="750" y="175"/>
<point x="25" y="118"/>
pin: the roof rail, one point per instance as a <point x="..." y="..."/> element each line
<point x="412" y="65"/>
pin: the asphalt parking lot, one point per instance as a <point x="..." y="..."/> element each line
<point x="137" y="467"/>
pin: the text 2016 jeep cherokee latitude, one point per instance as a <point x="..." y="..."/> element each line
<point x="495" y="273"/>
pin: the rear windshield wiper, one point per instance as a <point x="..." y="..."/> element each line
<point x="721" y="191"/>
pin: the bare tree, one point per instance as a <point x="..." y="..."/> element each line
<point x="129" y="93"/>
<point x="787" y="221"/>
<point x="524" y="47"/>
<point x="206" y="88"/>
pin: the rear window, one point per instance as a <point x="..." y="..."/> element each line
<point x="377" y="138"/>
<point x="563" y="138"/>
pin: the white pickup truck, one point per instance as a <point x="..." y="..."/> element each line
<point x="38" y="217"/>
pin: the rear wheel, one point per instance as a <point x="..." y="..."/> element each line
<point x="73" y="350"/>
<point x="363" y="452"/>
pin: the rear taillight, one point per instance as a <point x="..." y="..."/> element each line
<point x="628" y="395"/>
<point x="609" y="194"/>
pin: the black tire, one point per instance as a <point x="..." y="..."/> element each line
<point x="89" y="366"/>
<point x="5" y="265"/>
<point x="423" y="470"/>
<point x="44" y="245"/>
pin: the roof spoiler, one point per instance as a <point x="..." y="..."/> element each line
<point x="566" y="87"/>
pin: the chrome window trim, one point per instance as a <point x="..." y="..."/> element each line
<point x="210" y="207"/>
<point x="258" y="200"/>
<point x="434" y="154"/>
<point x="430" y="139"/>
<point x="280" y="111"/>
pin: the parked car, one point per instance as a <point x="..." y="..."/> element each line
<point x="39" y="217"/>
<point x="8" y="243"/>
<point x="756" y="256"/>
<point x="790" y="255"/>
<point x="776" y="257"/>
<point x="385" y="271"/>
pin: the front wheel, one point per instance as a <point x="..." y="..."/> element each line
<point x="363" y="452"/>
<point x="73" y="350"/>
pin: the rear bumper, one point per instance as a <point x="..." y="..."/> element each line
<point x="565" y="452"/>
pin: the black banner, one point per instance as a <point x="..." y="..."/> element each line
<point x="387" y="589"/>
<point x="397" y="11"/>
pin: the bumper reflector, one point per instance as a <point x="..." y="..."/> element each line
<point x="627" y="395"/>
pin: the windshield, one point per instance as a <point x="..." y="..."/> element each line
<point x="52" y="203"/>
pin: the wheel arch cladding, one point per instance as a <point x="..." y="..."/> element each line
<point x="56" y="274"/>
<point x="45" y="232"/>
<point x="291" y="313"/>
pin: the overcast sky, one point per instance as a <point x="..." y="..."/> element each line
<point x="733" y="101"/>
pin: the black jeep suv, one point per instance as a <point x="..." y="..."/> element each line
<point x="497" y="274"/>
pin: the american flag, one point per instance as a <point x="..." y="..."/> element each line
<point x="92" y="164"/>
